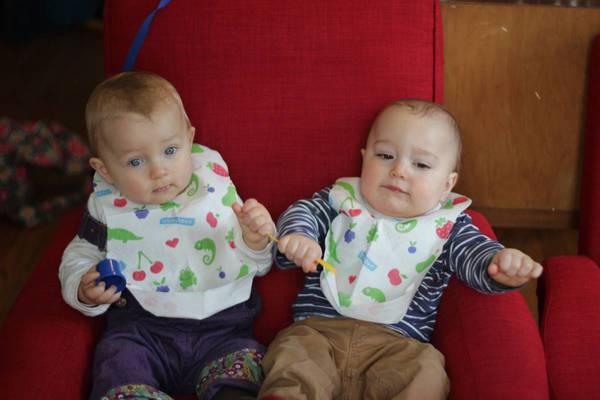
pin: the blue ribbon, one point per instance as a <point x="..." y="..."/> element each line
<point x="140" y="36"/>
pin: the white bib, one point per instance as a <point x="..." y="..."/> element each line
<point x="180" y="257"/>
<point x="381" y="261"/>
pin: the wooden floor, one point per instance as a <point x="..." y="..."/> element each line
<point x="51" y="77"/>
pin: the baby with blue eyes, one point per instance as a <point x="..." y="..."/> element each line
<point x="395" y="235"/>
<point x="165" y="211"/>
<point x="143" y="146"/>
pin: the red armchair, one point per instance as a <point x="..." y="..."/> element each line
<point x="569" y="290"/>
<point x="285" y="90"/>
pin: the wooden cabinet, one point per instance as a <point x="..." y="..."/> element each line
<point x="515" y="79"/>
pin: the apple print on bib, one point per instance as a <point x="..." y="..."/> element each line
<point x="181" y="255"/>
<point x="381" y="260"/>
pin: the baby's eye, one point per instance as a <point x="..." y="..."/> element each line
<point x="385" y="156"/>
<point x="136" y="162"/>
<point x="170" y="150"/>
<point x="421" y="165"/>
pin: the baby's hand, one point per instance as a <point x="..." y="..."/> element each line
<point x="256" y="223"/>
<point x="511" y="267"/>
<point x="90" y="293"/>
<point x="301" y="250"/>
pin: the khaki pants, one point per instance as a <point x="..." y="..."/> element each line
<point x="326" y="358"/>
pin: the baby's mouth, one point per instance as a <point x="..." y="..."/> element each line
<point x="162" y="189"/>
<point x="395" y="189"/>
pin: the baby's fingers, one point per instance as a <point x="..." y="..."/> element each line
<point x="534" y="271"/>
<point x="101" y="295"/>
<point x="283" y="244"/>
<point x="537" y="270"/>
<point x="87" y="284"/>
<point x="265" y="226"/>
<point x="237" y="209"/>
<point x="114" y="297"/>
<point x="258" y="220"/>
<point x="110" y="295"/>
<point x="291" y="247"/>
<point x="308" y="259"/>
<point x="89" y="278"/>
<point x="249" y="205"/>
<point x="297" y="253"/>
<point x="493" y="269"/>
<point x="509" y="264"/>
<point x="525" y="268"/>
<point x="309" y="266"/>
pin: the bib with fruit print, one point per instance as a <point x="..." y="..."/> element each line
<point x="180" y="258"/>
<point x="381" y="260"/>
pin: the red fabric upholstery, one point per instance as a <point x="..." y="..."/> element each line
<point x="569" y="326"/>
<point x="489" y="341"/>
<point x="286" y="91"/>
<point x="569" y="290"/>
<point x="46" y="347"/>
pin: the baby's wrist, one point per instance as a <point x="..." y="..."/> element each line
<point x="260" y="244"/>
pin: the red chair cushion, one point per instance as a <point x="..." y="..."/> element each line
<point x="569" y="295"/>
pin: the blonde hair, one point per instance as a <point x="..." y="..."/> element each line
<point x="424" y="108"/>
<point x="136" y="92"/>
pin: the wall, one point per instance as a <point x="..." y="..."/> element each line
<point x="515" y="77"/>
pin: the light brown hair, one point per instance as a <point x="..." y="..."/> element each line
<point x="136" y="92"/>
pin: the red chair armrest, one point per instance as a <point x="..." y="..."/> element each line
<point x="569" y="294"/>
<point x="492" y="346"/>
<point x="46" y="346"/>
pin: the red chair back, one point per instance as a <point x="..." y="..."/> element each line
<point x="285" y="90"/>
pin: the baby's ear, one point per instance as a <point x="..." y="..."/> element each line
<point x="191" y="133"/>
<point x="451" y="181"/>
<point x="100" y="168"/>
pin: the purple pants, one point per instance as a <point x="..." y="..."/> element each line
<point x="176" y="355"/>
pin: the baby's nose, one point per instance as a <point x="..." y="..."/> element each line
<point x="158" y="170"/>
<point x="398" y="170"/>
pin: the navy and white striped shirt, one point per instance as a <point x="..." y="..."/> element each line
<point x="467" y="253"/>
